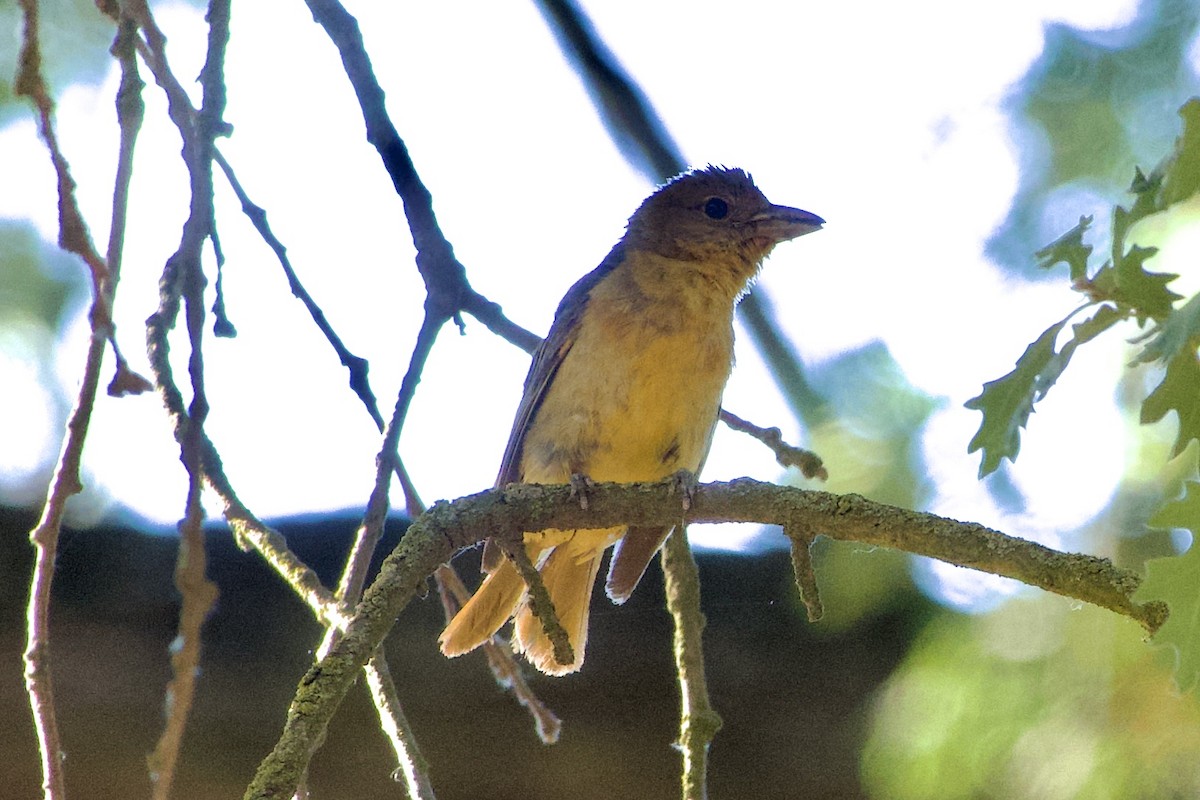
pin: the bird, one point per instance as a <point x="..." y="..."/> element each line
<point x="627" y="387"/>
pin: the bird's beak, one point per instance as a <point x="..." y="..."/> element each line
<point x="781" y="223"/>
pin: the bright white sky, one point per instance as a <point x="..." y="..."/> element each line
<point x="890" y="128"/>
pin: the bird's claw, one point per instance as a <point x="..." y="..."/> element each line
<point x="581" y="486"/>
<point x="686" y="483"/>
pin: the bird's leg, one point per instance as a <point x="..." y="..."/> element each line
<point x="581" y="486"/>
<point x="685" y="482"/>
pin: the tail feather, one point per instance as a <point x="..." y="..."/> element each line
<point x="569" y="575"/>
<point x="630" y="558"/>
<point x="489" y="608"/>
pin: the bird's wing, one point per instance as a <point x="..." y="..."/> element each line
<point x="546" y="361"/>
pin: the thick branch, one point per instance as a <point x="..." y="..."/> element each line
<point x="449" y="527"/>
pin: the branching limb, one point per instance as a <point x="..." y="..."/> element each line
<point x="699" y="721"/>
<point x="448" y="291"/>
<point x="449" y="527"/>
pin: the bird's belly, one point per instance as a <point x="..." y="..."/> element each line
<point x="630" y="405"/>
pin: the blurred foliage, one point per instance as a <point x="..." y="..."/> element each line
<point x="857" y="583"/>
<point x="872" y="439"/>
<point x="37" y="276"/>
<point x="1177" y="579"/>
<point x="1091" y="105"/>
<point x="1124" y="290"/>
<point x="1035" y="700"/>
<point x="1039" y="699"/>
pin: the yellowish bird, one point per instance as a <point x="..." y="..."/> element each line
<point x="627" y="387"/>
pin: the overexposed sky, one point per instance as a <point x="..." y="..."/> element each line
<point x="884" y="122"/>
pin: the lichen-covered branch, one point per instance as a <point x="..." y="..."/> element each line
<point x="448" y="527"/>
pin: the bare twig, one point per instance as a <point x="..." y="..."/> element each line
<point x="806" y="578"/>
<point x="448" y="291"/>
<point x="183" y="278"/>
<point x="130" y="112"/>
<point x="413" y="769"/>
<point x="356" y="365"/>
<point x="73" y="237"/>
<point x="539" y="601"/>
<point x="198" y="595"/>
<point x="73" y="233"/>
<point x="448" y="527"/>
<point x="500" y="658"/>
<point x="247" y="528"/>
<point x="808" y="462"/>
<point x="699" y="721"/>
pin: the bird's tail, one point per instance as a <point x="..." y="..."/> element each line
<point x="569" y="574"/>
<point x="489" y="608"/>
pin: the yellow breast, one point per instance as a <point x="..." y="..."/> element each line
<point x="637" y="396"/>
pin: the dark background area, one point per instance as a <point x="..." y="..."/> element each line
<point x="793" y="696"/>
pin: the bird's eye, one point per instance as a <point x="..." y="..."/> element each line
<point x="716" y="208"/>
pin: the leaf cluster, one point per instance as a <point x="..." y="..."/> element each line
<point x="1120" y="290"/>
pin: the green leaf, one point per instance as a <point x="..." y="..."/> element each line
<point x="1081" y="333"/>
<point x="1182" y="169"/>
<point x="1069" y="249"/>
<point x="1180" y="329"/>
<point x="1178" y="392"/>
<point x="1145" y="292"/>
<point x="1176" y="580"/>
<point x="1007" y="402"/>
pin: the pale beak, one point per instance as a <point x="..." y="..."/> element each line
<point x="781" y="223"/>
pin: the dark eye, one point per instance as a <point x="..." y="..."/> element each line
<point x="716" y="208"/>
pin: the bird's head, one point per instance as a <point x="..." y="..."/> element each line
<point x="715" y="213"/>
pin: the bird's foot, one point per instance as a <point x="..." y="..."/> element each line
<point x="685" y="483"/>
<point x="581" y="486"/>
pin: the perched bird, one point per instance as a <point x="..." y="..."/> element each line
<point x="627" y="387"/>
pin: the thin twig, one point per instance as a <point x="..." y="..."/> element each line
<point x="449" y="527"/>
<point x="130" y="113"/>
<point x="500" y="658"/>
<point x="699" y="722"/>
<point x="540" y="603"/>
<point x="73" y="237"/>
<point x="806" y="578"/>
<point x="183" y="278"/>
<point x="356" y="365"/>
<point x="414" y="769"/>
<point x="808" y="462"/>
<point x="247" y="528"/>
